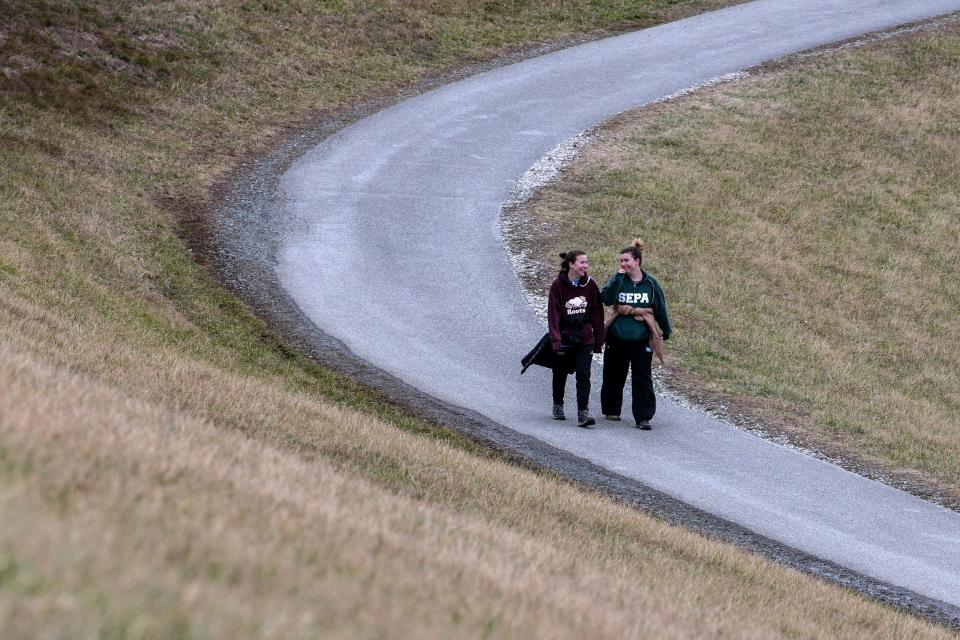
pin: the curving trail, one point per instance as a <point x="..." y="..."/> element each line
<point x="392" y="246"/>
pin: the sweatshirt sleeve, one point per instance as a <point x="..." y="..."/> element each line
<point x="596" y="318"/>
<point x="611" y="289"/>
<point x="554" y="313"/>
<point x="660" y="311"/>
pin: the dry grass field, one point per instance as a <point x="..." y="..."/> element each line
<point x="806" y="225"/>
<point x="169" y="469"/>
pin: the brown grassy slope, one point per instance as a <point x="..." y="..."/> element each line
<point x="124" y="518"/>
<point x="806" y="225"/>
<point x="168" y="469"/>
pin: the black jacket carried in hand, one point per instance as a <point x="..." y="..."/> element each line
<point x="544" y="355"/>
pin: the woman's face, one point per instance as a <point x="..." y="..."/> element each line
<point x="628" y="263"/>
<point x="579" y="266"/>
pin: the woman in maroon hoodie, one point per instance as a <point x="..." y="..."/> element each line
<point x="575" y="318"/>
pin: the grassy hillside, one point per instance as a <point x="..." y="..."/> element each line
<point x="806" y="225"/>
<point x="168" y="469"/>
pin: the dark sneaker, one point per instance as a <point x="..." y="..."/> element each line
<point x="612" y="418"/>
<point x="644" y="425"/>
<point x="558" y="412"/>
<point x="584" y="420"/>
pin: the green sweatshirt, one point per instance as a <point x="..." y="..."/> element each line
<point x="620" y="289"/>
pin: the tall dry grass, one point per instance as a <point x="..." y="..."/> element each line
<point x="128" y="517"/>
<point x="806" y="225"/>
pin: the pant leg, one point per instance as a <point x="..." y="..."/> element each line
<point x="584" y="360"/>
<point x="616" y="363"/>
<point x="644" y="400"/>
<point x="559" y="383"/>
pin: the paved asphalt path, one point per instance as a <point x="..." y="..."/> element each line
<point x="393" y="246"/>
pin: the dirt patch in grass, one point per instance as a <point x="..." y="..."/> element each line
<point x="804" y="223"/>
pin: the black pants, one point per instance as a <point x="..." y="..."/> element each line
<point x="618" y="357"/>
<point x="582" y="358"/>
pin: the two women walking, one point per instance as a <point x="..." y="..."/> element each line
<point x="633" y="336"/>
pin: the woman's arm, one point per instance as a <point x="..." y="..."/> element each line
<point x="596" y="317"/>
<point x="660" y="312"/>
<point x="554" y="313"/>
<point x="612" y="289"/>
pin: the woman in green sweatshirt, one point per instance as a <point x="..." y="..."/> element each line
<point x="635" y="295"/>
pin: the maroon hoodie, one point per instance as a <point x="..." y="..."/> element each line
<point x="575" y="313"/>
